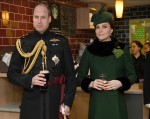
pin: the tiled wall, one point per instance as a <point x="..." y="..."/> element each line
<point x="82" y="36"/>
<point x="20" y="23"/>
<point x="122" y="25"/>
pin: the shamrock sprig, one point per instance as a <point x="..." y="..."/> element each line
<point x="118" y="52"/>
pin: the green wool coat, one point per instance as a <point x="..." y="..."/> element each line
<point x="107" y="104"/>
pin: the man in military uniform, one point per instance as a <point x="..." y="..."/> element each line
<point x="39" y="51"/>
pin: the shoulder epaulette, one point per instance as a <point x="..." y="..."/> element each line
<point x="24" y="35"/>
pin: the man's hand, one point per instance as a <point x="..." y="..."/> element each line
<point x="39" y="80"/>
<point x="65" y="110"/>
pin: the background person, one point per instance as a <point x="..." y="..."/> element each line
<point x="138" y="59"/>
<point x="146" y="47"/>
<point x="40" y="50"/>
<point x="109" y="57"/>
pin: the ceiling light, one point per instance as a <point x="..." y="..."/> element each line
<point x="119" y="8"/>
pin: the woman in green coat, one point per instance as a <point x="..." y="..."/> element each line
<point x="111" y="58"/>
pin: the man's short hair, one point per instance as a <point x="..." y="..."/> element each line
<point x="46" y="4"/>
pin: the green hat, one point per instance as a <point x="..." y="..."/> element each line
<point x="102" y="16"/>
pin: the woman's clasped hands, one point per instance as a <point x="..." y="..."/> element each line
<point x="100" y="84"/>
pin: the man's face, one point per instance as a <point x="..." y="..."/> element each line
<point x="41" y="19"/>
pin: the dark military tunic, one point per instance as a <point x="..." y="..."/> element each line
<point x="36" y="104"/>
<point x="99" y="59"/>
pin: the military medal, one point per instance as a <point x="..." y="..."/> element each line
<point x="55" y="59"/>
<point x="54" y="40"/>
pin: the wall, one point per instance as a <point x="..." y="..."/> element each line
<point x="82" y="36"/>
<point x="20" y="22"/>
<point x="122" y="25"/>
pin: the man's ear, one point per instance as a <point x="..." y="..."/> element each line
<point x="50" y="19"/>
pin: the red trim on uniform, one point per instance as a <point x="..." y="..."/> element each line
<point x="59" y="80"/>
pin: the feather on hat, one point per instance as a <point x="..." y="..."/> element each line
<point x="102" y="16"/>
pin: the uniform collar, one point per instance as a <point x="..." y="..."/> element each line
<point x="42" y="36"/>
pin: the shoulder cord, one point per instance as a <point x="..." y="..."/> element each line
<point x="38" y="47"/>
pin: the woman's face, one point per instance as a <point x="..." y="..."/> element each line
<point x="103" y="31"/>
<point x="134" y="49"/>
